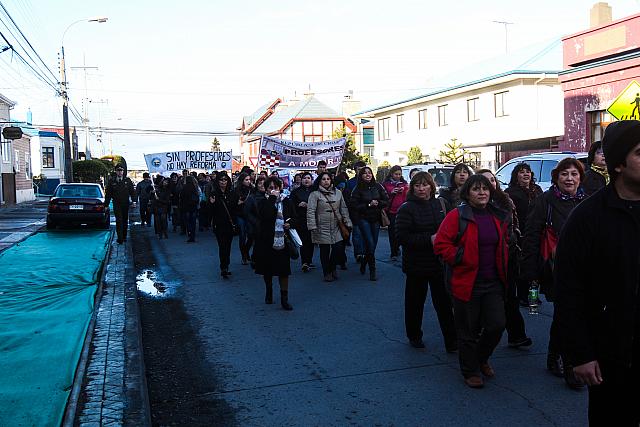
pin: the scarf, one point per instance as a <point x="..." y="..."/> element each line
<point x="601" y="171"/>
<point x="580" y="194"/>
<point x="278" y="237"/>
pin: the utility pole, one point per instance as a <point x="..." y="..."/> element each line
<point x="99" y="134"/>
<point x="68" y="166"/>
<point x="85" y="119"/>
<point x="506" y="34"/>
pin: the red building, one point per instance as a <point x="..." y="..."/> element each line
<point x="308" y="120"/>
<point x="599" y="63"/>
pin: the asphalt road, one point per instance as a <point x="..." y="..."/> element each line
<point x="216" y="354"/>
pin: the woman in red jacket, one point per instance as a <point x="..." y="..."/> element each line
<point x="397" y="189"/>
<point x="472" y="240"/>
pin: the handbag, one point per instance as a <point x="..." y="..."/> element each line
<point x="384" y="218"/>
<point x="548" y="240"/>
<point x="548" y="243"/>
<point x="344" y="230"/>
<point x="234" y="227"/>
<point x="292" y="246"/>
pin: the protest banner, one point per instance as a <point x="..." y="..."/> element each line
<point x="176" y="161"/>
<point x="281" y="153"/>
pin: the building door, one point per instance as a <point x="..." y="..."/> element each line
<point x="9" y="188"/>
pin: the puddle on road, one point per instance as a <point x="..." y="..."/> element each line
<point x="148" y="283"/>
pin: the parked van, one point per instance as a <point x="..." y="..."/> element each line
<point x="440" y="172"/>
<point x="541" y="165"/>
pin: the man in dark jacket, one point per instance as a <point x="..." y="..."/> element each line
<point x="120" y="189"/>
<point x="598" y="277"/>
<point x="143" y="191"/>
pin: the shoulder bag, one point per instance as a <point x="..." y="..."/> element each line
<point x="234" y="227"/>
<point x="344" y="230"/>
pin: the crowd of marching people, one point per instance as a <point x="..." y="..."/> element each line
<point x="483" y="251"/>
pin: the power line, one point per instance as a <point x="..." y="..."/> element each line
<point x="27" y="40"/>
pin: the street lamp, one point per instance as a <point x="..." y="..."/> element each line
<point x="68" y="170"/>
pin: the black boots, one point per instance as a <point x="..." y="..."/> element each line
<point x="363" y="263"/>
<point x="554" y="364"/>
<point x="284" y="300"/>
<point x="371" y="259"/>
<point x="268" y="296"/>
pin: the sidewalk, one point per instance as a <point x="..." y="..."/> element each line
<point x="113" y="390"/>
<point x="20" y="221"/>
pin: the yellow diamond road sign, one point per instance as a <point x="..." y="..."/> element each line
<point x="627" y="105"/>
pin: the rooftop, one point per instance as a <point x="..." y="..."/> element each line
<point x="544" y="57"/>
<point x="309" y="108"/>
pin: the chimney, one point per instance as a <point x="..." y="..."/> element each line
<point x="349" y="105"/>
<point x="600" y="14"/>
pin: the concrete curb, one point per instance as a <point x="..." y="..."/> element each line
<point x="81" y="368"/>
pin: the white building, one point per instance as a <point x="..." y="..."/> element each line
<point x="497" y="110"/>
<point x="48" y="147"/>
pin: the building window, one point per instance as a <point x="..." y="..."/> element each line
<point x="400" y="122"/>
<point x="599" y="122"/>
<point x="313" y="138"/>
<point x="383" y="129"/>
<point x="6" y="151"/>
<point x="16" y="161"/>
<point x="422" y="119"/>
<point x="442" y="115"/>
<point x="368" y="150"/>
<point x="500" y="101"/>
<point x="385" y="154"/>
<point x="48" y="157"/>
<point x="27" y="165"/>
<point x="472" y="110"/>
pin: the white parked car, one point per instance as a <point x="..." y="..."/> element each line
<point x="541" y="165"/>
<point x="440" y="172"/>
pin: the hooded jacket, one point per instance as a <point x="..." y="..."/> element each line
<point x="321" y="221"/>
<point x="464" y="257"/>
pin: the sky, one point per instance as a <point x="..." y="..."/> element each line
<point x="203" y="65"/>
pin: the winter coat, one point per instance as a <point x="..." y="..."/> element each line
<point x="225" y="202"/>
<point x="120" y="192"/>
<point x="597" y="274"/>
<point x="267" y="212"/>
<point x="250" y="210"/>
<point x="532" y="267"/>
<point x="299" y="195"/>
<point x="593" y="181"/>
<point x="523" y="204"/>
<point x="189" y="198"/>
<point x="162" y="199"/>
<point x="395" y="200"/>
<point x="243" y="193"/>
<point x="143" y="191"/>
<point x="416" y="221"/>
<point x="465" y="265"/>
<point x="362" y="195"/>
<point x="321" y="221"/>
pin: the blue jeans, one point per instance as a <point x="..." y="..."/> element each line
<point x="244" y="240"/>
<point x="369" y="233"/>
<point x="190" y="219"/>
<point x="356" y="240"/>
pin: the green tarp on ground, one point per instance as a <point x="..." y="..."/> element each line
<point x="47" y="287"/>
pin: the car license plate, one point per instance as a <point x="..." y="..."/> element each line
<point x="76" y="207"/>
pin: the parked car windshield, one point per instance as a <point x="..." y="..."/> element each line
<point x="442" y="177"/>
<point x="89" y="191"/>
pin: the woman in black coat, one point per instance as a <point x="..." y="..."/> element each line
<point x="224" y="203"/>
<point x="250" y="209"/>
<point x="277" y="215"/>
<point x="417" y="221"/>
<point x="299" y="198"/>
<point x="189" y="200"/>
<point x="244" y="188"/>
<point x="552" y="208"/>
<point x="367" y="201"/>
<point x="523" y="191"/>
<point x="459" y="176"/>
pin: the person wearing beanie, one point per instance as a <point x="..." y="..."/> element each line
<point x="598" y="276"/>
